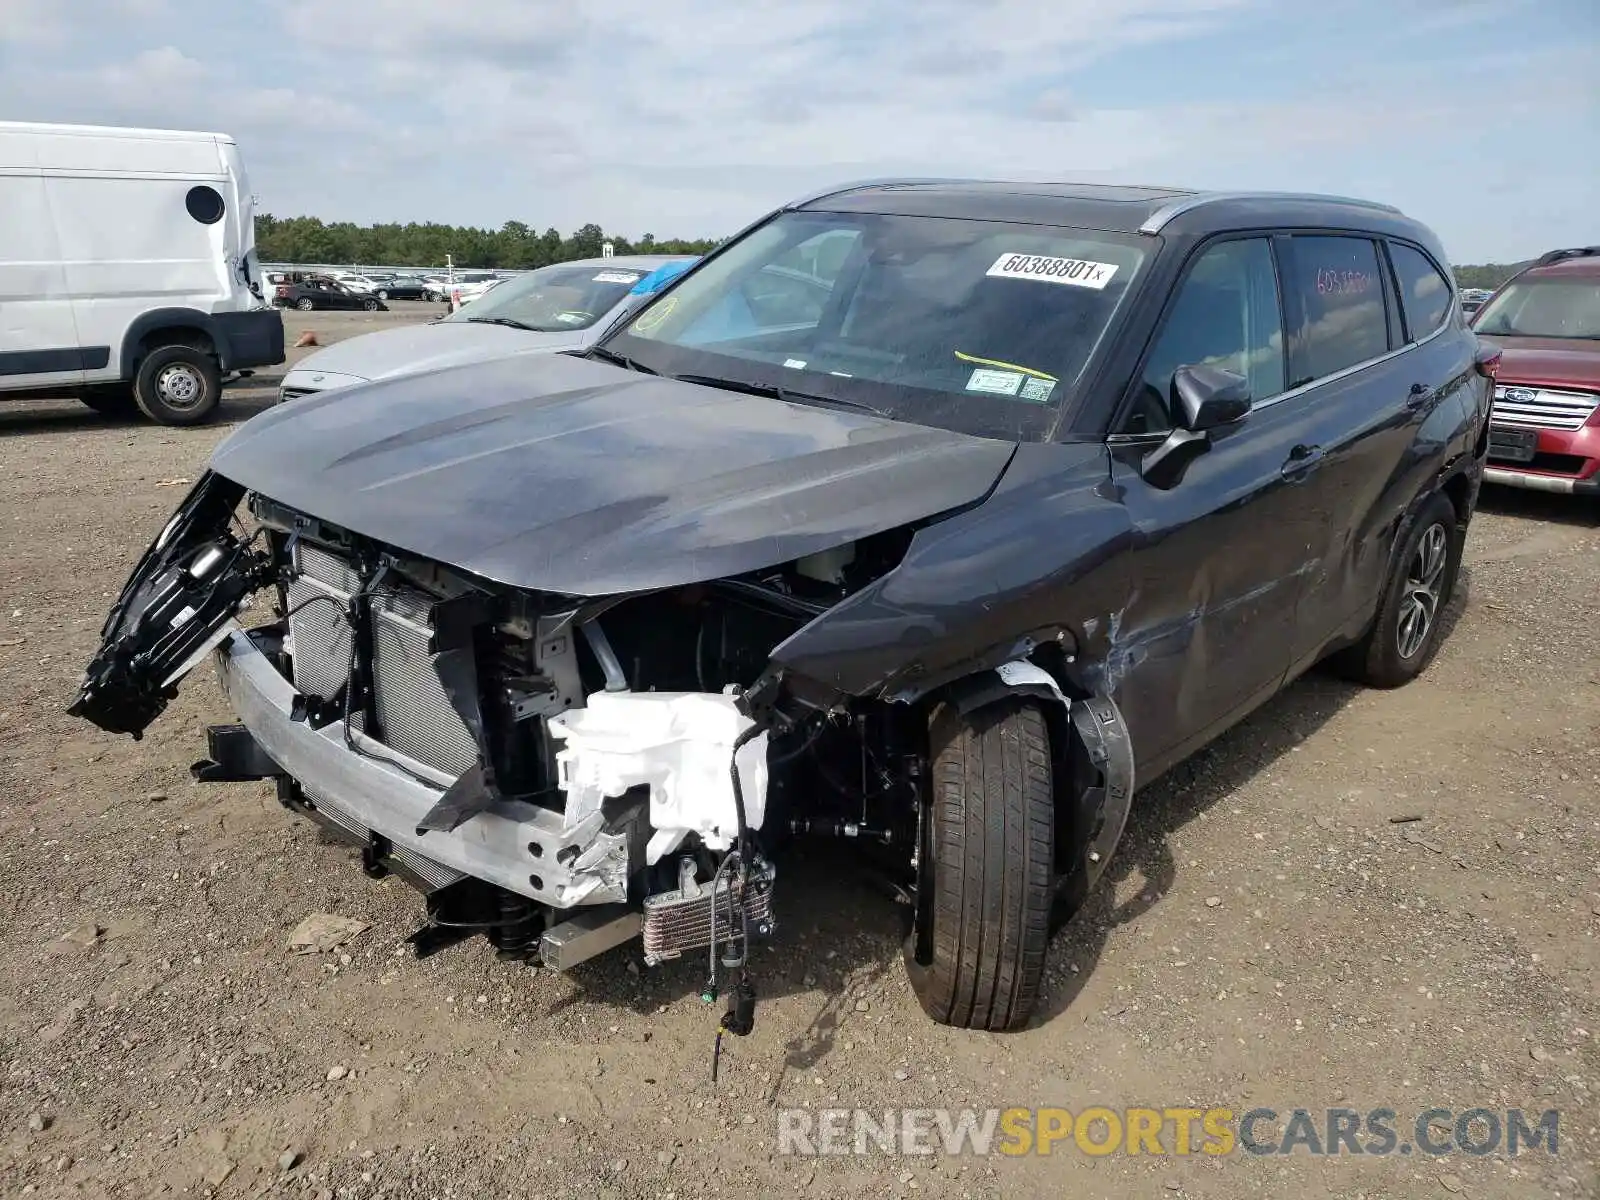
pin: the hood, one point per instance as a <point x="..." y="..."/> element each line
<point x="429" y="347"/>
<point x="1549" y="362"/>
<point x="564" y="475"/>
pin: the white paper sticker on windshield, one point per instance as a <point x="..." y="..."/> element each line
<point x="1004" y="383"/>
<point x="1037" y="389"/>
<point x="794" y="364"/>
<point x="617" y="277"/>
<point x="1076" y="272"/>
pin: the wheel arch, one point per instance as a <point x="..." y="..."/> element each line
<point x="1093" y="776"/>
<point x="171" y="327"/>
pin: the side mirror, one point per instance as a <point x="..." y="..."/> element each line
<point x="1203" y="399"/>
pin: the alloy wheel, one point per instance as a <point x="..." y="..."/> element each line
<point x="1419" y="603"/>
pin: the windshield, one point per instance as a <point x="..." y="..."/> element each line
<point x="1548" y="308"/>
<point x="979" y="326"/>
<point x="553" y="299"/>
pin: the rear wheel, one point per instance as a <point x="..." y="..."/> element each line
<point x="1405" y="633"/>
<point x="178" y="385"/>
<point x="976" y="952"/>
<point x="383" y="295"/>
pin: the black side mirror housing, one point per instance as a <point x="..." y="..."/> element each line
<point x="1204" y="399"/>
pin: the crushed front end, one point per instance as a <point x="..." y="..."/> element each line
<point x="557" y="772"/>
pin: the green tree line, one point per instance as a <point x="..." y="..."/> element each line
<point x="514" y="245"/>
<point x="1486" y="275"/>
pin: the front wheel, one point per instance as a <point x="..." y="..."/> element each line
<point x="370" y="304"/>
<point x="1405" y="633"/>
<point x="305" y="304"/>
<point x="178" y="385"/>
<point x="985" y="880"/>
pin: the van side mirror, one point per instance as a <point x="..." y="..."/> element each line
<point x="1203" y="399"/>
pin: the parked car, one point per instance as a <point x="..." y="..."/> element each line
<point x="554" y="308"/>
<point x="320" y="291"/>
<point x="128" y="269"/>
<point x="1546" y="322"/>
<point x="402" y="288"/>
<point x="1044" y="498"/>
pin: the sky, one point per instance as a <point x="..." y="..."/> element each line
<point x="691" y="118"/>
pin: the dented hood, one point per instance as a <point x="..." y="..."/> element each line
<point x="564" y="475"/>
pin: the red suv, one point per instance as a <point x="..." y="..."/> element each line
<point x="1545" y="431"/>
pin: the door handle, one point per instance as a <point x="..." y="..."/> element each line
<point x="1418" y="396"/>
<point x="1302" y="460"/>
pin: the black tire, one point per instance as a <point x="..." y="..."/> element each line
<point x="432" y="297"/>
<point x="976" y="952"/>
<point x="1392" y="653"/>
<point x="305" y="304"/>
<point x="383" y="295"/>
<point x="371" y="304"/>
<point x="178" y="385"/>
<point x="112" y="400"/>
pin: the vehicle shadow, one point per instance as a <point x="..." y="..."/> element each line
<point x="840" y="931"/>
<point x="1555" y="507"/>
<point x="1190" y="789"/>
<point x="65" y="414"/>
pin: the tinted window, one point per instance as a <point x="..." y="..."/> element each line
<point x="204" y="204"/>
<point x="1225" y="315"/>
<point x="1341" y="293"/>
<point x="1424" y="292"/>
<point x="976" y="325"/>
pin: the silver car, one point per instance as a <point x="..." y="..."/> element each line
<point x="562" y="307"/>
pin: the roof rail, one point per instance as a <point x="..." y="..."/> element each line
<point x="1163" y="216"/>
<point x="857" y="185"/>
<point x="1556" y="256"/>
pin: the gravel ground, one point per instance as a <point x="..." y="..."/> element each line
<point x="1268" y="936"/>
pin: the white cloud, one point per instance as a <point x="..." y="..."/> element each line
<point x="691" y="116"/>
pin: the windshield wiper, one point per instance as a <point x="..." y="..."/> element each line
<point x="778" y="392"/>
<point x="508" y="322"/>
<point x="621" y="360"/>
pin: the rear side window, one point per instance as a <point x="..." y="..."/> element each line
<point x="1424" y="292"/>
<point x="1339" y="288"/>
<point x="1225" y="315"/>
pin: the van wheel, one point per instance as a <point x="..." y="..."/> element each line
<point x="178" y="385"/>
<point x="370" y="304"/>
<point x="112" y="400"/>
<point x="977" y="947"/>
<point x="1405" y="633"/>
<point x="305" y="304"/>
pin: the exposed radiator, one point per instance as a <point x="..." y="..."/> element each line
<point x="680" y="921"/>
<point x="414" y="714"/>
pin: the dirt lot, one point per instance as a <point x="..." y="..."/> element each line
<point x="1269" y="939"/>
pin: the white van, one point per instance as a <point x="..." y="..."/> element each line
<point x="128" y="273"/>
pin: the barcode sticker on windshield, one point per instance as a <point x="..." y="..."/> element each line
<point x="1075" y="272"/>
<point x="1003" y="383"/>
<point x="617" y="277"/>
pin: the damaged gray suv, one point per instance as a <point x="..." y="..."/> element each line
<point x="925" y="514"/>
